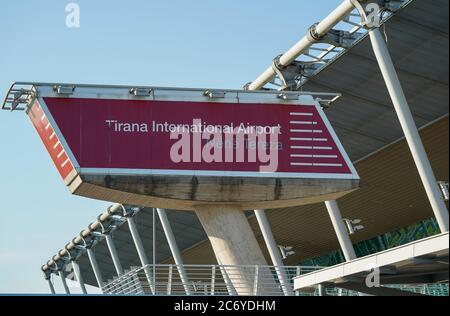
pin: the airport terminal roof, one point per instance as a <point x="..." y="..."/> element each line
<point x="366" y="123"/>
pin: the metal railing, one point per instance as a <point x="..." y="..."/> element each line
<point x="424" y="289"/>
<point x="207" y="280"/>
<point x="164" y="279"/>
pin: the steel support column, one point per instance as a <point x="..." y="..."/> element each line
<point x="409" y="129"/>
<point x="341" y="230"/>
<point x="50" y="284"/>
<point x="62" y="275"/>
<point x="95" y="268"/>
<point x="141" y="252"/>
<point x="273" y="251"/>
<point x="174" y="249"/>
<point x="114" y="255"/>
<point x="322" y="290"/>
<point x="78" y="276"/>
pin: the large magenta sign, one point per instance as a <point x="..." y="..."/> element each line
<point x="203" y="138"/>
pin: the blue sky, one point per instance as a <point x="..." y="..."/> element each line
<point x="182" y="43"/>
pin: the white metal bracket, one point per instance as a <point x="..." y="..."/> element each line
<point x="141" y="92"/>
<point x="214" y="94"/>
<point x="19" y="97"/>
<point x="129" y="211"/>
<point x="291" y="75"/>
<point x="337" y="38"/>
<point x="63" y="89"/>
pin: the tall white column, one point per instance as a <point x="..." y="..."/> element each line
<point x="141" y="252"/>
<point x="50" y="284"/>
<point x="62" y="275"/>
<point x="174" y="249"/>
<point x="114" y="255"/>
<point x="95" y="268"/>
<point x="322" y="290"/>
<point x="410" y="129"/>
<point x="274" y="252"/>
<point x="78" y="276"/>
<point x="341" y="230"/>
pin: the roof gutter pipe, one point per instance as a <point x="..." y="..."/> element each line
<point x="315" y="33"/>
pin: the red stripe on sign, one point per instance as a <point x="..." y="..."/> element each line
<point x="50" y="140"/>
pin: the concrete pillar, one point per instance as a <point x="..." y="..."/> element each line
<point x="233" y="242"/>
<point x="62" y="275"/>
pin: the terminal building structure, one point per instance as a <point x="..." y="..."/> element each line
<point x="382" y="82"/>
